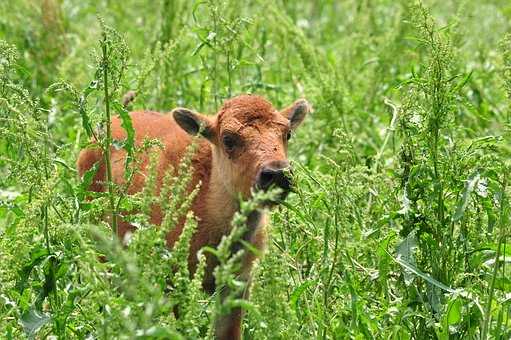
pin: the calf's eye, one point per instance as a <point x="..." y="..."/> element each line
<point x="229" y="143"/>
<point x="288" y="136"/>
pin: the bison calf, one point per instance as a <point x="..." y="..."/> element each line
<point x="244" y="148"/>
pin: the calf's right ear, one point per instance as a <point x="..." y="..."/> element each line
<point x="194" y="123"/>
<point x="296" y="112"/>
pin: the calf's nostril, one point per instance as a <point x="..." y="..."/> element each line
<point x="283" y="181"/>
<point x="266" y="179"/>
<point x="276" y="177"/>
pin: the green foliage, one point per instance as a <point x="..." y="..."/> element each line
<point x="399" y="224"/>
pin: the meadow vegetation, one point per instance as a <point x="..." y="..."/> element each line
<point x="399" y="226"/>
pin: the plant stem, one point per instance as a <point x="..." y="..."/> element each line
<point x="502" y="237"/>
<point x="108" y="141"/>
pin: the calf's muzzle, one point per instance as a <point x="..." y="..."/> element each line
<point x="275" y="174"/>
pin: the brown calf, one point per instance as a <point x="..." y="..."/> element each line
<point x="244" y="148"/>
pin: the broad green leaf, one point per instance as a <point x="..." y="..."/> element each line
<point x="405" y="251"/>
<point x="158" y="332"/>
<point x="82" y="108"/>
<point x="426" y="277"/>
<point x="32" y="321"/>
<point x="298" y="291"/>
<point x="454" y="311"/>
<point x="127" y="125"/>
<point x="38" y="254"/>
<point x="470" y="184"/>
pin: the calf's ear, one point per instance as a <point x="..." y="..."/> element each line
<point x="296" y="112"/>
<point x="193" y="123"/>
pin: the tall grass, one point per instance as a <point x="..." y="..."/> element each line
<point x="399" y="226"/>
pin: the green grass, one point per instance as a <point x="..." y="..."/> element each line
<point x="399" y="228"/>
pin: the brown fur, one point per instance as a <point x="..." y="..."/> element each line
<point x="223" y="175"/>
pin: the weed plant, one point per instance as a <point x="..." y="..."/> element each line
<point x="399" y="224"/>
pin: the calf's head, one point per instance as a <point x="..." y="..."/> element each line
<point x="249" y="138"/>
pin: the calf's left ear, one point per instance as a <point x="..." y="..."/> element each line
<point x="296" y="112"/>
<point x="194" y="123"/>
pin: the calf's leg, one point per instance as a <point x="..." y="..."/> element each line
<point x="228" y="326"/>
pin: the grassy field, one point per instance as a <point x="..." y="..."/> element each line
<point x="400" y="226"/>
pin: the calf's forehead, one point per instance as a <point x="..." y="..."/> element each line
<point x="249" y="111"/>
